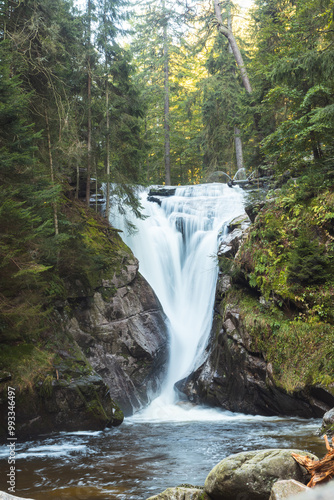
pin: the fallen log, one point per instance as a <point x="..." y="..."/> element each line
<point x="321" y="470"/>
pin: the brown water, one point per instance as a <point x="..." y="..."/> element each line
<point x="138" y="460"/>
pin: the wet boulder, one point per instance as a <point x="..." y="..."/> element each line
<point x="286" y="488"/>
<point x="230" y="244"/>
<point x="253" y="474"/>
<point x="181" y="493"/>
<point x="7" y="496"/>
<point x="328" y="423"/>
<point x="162" y="191"/>
<point x="321" y="492"/>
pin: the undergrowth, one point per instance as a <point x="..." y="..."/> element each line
<point x="300" y="351"/>
<point x="288" y="260"/>
<point x="289" y="253"/>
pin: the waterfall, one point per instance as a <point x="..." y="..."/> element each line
<point x="176" y="245"/>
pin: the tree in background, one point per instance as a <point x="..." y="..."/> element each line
<point x="25" y="215"/>
<point x="167" y="71"/>
<point x="293" y="61"/>
<point x="221" y="99"/>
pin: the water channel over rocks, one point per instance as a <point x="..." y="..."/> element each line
<point x="170" y="442"/>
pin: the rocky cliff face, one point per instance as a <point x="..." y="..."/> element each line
<point x="121" y="329"/>
<point x="103" y="351"/>
<point x="237" y="375"/>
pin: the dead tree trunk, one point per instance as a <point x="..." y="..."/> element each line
<point x="321" y="470"/>
<point x="237" y="135"/>
<point x="234" y="46"/>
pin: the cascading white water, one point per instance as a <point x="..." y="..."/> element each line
<point x="176" y="246"/>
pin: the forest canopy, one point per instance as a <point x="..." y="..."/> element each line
<point x="131" y="95"/>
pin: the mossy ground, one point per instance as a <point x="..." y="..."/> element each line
<point x="23" y="359"/>
<point x="289" y="252"/>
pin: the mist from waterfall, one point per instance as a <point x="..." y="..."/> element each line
<point x="176" y="246"/>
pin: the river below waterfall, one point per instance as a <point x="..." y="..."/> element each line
<point x="169" y="443"/>
<point x="140" y="459"/>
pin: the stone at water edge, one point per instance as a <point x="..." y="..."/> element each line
<point x="253" y="473"/>
<point x="320" y="492"/>
<point x="328" y="423"/>
<point x="7" y="496"/>
<point x="284" y="489"/>
<point x="180" y="493"/>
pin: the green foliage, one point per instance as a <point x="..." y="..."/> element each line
<point x="293" y="61"/>
<point x="220" y="108"/>
<point x="300" y="350"/>
<point x="289" y="253"/>
<point x="308" y="263"/>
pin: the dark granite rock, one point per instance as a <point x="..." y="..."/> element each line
<point x="124" y="337"/>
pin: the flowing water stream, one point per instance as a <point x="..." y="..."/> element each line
<point x="168" y="443"/>
<point x="176" y="246"/>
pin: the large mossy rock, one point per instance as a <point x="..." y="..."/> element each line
<point x="65" y="393"/>
<point x="253" y="474"/>
<point x="102" y="341"/>
<point x="237" y="377"/>
<point x="180" y="493"/>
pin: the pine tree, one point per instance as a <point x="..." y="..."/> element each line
<point x="168" y="72"/>
<point x="24" y="216"/>
<point x="294" y="57"/>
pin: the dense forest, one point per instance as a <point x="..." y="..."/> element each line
<point x="167" y="95"/>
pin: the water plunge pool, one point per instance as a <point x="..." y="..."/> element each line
<point x="140" y="459"/>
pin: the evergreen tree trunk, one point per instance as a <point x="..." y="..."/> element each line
<point x="54" y="205"/>
<point x="238" y="149"/>
<point x="89" y="105"/>
<point x="234" y="46"/>
<point x="107" y="150"/>
<point x="107" y="161"/>
<point x="166" y="104"/>
<point x="237" y="137"/>
<point x="148" y="157"/>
